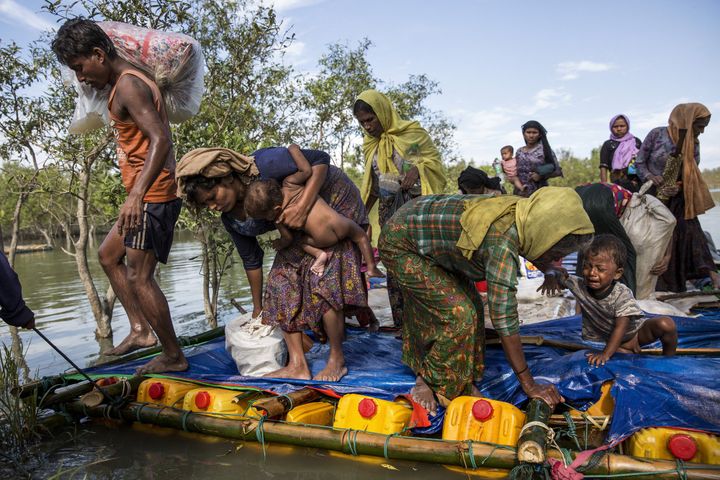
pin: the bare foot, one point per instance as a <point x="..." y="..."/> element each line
<point x="318" y="266"/>
<point x="423" y="395"/>
<point x="333" y="371"/>
<point x="374" y="271"/>
<point x="164" y="363"/>
<point x="134" y="341"/>
<point x="300" y="372"/>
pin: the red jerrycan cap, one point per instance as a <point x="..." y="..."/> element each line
<point x="482" y="410"/>
<point x="156" y="390"/>
<point x="367" y="408"/>
<point x="202" y="400"/>
<point x="682" y="446"/>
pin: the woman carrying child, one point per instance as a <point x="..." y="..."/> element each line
<point x="536" y="161"/>
<point x="295" y="298"/>
<point x="401" y="163"/>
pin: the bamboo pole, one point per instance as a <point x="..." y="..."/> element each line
<point x="42" y="386"/>
<point x="671" y="296"/>
<point x="277" y="406"/>
<point x="531" y="444"/>
<point x="71" y="392"/>
<point x="366" y="443"/>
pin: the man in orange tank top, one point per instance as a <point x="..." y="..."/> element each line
<point x="143" y="233"/>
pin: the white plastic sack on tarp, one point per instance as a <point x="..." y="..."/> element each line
<point x="256" y="348"/>
<point x="649" y="224"/>
<point x="173" y="60"/>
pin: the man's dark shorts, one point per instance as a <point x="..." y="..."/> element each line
<point x="157" y="228"/>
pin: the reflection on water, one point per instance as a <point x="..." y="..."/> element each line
<point x="52" y="289"/>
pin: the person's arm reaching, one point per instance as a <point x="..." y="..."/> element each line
<point x="600" y="358"/>
<point x="12" y="306"/>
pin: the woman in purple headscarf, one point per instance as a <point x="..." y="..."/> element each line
<point x="617" y="155"/>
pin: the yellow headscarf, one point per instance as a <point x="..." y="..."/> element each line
<point x="542" y="220"/>
<point x="411" y="141"/>
<point x="697" y="195"/>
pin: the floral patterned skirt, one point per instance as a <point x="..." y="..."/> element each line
<point x="296" y="299"/>
<point x="443" y="327"/>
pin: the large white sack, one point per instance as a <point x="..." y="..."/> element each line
<point x="256" y="348"/>
<point x="649" y="224"/>
<point x="173" y="60"/>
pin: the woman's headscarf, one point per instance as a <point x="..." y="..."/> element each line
<point x="410" y="140"/>
<point x="542" y="220"/>
<point x="627" y="149"/>
<point x="697" y="195"/>
<point x="547" y="151"/>
<point x="475" y="178"/>
<point x="213" y="163"/>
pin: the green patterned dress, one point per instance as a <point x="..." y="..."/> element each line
<point x="443" y="327"/>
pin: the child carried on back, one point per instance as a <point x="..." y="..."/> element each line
<point x="266" y="199"/>
<point x="610" y="312"/>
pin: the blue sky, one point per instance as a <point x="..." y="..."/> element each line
<point x="571" y="65"/>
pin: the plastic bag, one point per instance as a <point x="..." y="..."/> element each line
<point x="91" y="110"/>
<point x="173" y="60"/>
<point x="649" y="225"/>
<point x="256" y="348"/>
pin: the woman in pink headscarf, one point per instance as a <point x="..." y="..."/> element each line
<point x="618" y="153"/>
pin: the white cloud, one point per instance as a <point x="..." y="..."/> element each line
<point x="572" y="70"/>
<point x="13" y="12"/>
<point x="285" y="5"/>
<point x="296" y="49"/>
<point x="548" y="98"/>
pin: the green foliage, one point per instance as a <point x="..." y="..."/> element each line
<point x="577" y="171"/>
<point x="18" y="417"/>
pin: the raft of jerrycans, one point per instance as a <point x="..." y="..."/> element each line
<point x="360" y="412"/>
<point x="313" y="413"/>
<point x="221" y="403"/>
<point x="482" y="420"/>
<point x="162" y="391"/>
<point x="604" y="406"/>
<point x="670" y="444"/>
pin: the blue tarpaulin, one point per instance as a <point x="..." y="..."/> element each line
<point x="681" y="392"/>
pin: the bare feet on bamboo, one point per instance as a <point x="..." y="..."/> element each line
<point x="422" y="394"/>
<point x="134" y="341"/>
<point x="333" y="371"/>
<point x="318" y="266"/>
<point x="299" y="372"/>
<point x="164" y="363"/>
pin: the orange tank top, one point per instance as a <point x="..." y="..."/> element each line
<point x="133" y="145"/>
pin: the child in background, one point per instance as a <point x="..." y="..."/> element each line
<point x="610" y="312"/>
<point x="509" y="165"/>
<point x="265" y="199"/>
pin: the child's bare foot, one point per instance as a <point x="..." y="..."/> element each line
<point x="164" y="363"/>
<point x="333" y="371"/>
<point x="134" y="341"/>
<point x="299" y="372"/>
<point x="374" y="271"/>
<point x="422" y="394"/>
<point x="318" y="266"/>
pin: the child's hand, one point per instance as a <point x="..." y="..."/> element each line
<point x="554" y="282"/>
<point x="598" y="359"/>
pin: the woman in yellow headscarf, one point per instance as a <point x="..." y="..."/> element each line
<point x="401" y="163"/>
<point x="437" y="246"/>
<point x="688" y="255"/>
